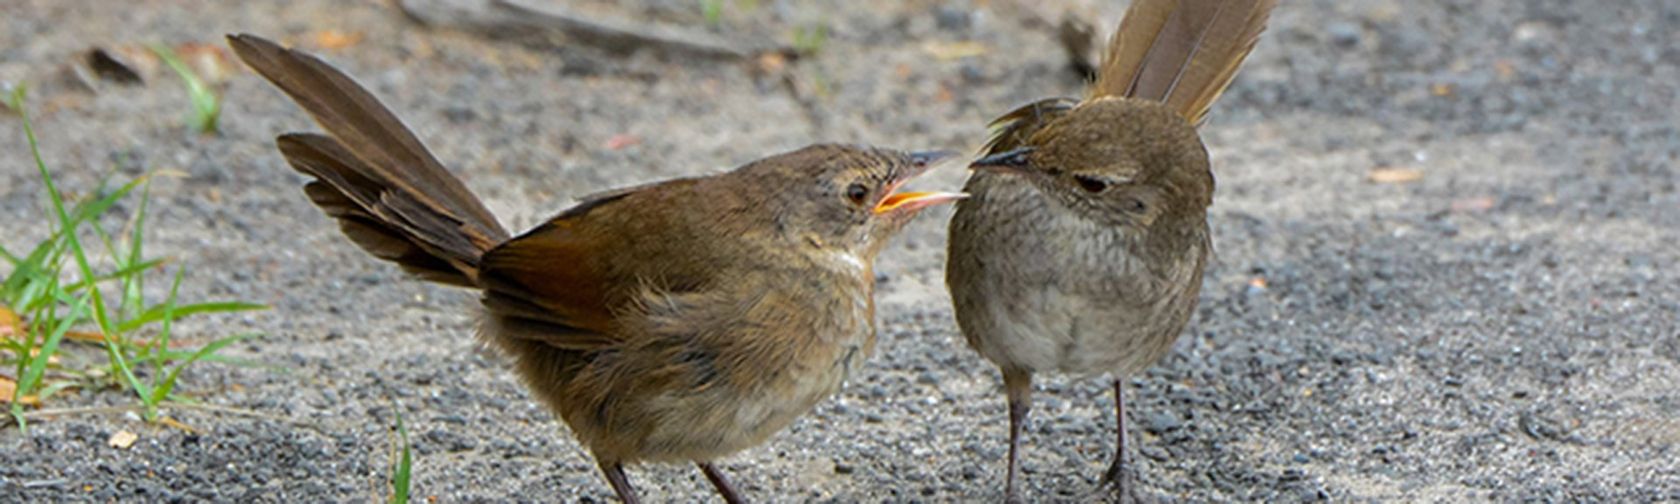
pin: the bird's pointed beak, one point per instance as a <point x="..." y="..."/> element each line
<point x="907" y="201"/>
<point x="1012" y="161"/>
<point x="926" y="159"/>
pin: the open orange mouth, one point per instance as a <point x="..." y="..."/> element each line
<point x="896" y="201"/>
<point x="914" y="200"/>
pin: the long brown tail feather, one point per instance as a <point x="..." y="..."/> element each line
<point x="391" y="196"/>
<point x="1181" y="52"/>
<point x="360" y="206"/>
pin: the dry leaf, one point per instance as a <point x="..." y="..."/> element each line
<point x="111" y="68"/>
<point x="334" y="39"/>
<point x="209" y="61"/>
<point x="9" y="387"/>
<point x="171" y="422"/>
<point x="137" y="63"/>
<point x="136" y="58"/>
<point x="955" y="50"/>
<point x="1394" y="175"/>
<point x="122" y="440"/>
<point x="771" y="63"/>
<point x="52" y="361"/>
<point x="1441" y="89"/>
<point x="88" y="337"/>
<point x="10" y="322"/>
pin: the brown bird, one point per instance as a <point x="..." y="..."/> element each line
<point x="1082" y="247"/>
<point x="682" y="320"/>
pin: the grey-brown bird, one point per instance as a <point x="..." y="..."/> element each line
<point x="682" y="320"/>
<point x="1081" y="248"/>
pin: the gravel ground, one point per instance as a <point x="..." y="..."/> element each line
<point x="1502" y="328"/>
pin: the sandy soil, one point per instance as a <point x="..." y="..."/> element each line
<point x="1501" y="328"/>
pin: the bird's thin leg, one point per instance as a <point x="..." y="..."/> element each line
<point x="1116" y="471"/>
<point x="721" y="483"/>
<point x="620" y="484"/>
<point x="1018" y="385"/>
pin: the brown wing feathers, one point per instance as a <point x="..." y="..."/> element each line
<point x="390" y="195"/>
<point x="1181" y="52"/>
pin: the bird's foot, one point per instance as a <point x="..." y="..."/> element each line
<point x="1119" y="483"/>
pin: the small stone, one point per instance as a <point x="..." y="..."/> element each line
<point x="1343" y="33"/>
<point x="927" y="378"/>
<point x="1155" y="453"/>
<point x="1534" y="33"/>
<point x="122" y="440"/>
<point x="1160" y="422"/>
<point x="450" y="441"/>
<point x="459" y="114"/>
<point x="953" y="18"/>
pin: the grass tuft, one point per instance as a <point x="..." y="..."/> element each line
<point x="56" y="287"/>
<point x="402" y="469"/>
<point x="207" y="106"/>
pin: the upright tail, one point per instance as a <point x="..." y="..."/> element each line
<point x="1181" y="52"/>
<point x="389" y="194"/>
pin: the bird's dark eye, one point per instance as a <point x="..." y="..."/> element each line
<point x="1091" y="184"/>
<point x="856" y="193"/>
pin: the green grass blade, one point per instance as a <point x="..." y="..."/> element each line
<point x="207" y="107"/>
<point x="134" y="268"/>
<point x="47" y="391"/>
<point x="114" y="350"/>
<point x="68" y="224"/>
<point x="31" y="376"/>
<point x="156" y="313"/>
<point x="33" y="268"/>
<point x="162" y="382"/>
<point x="133" y="294"/>
<point x="401" y="473"/>
<point x="177" y="355"/>
<point x="30" y="292"/>
<point x="89" y="210"/>
<point x="163" y="389"/>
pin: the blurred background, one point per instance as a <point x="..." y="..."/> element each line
<point x="1444" y="230"/>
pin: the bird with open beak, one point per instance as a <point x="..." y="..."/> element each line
<point x="679" y="321"/>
